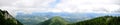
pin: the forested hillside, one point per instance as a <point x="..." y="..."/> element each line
<point x="7" y="19"/>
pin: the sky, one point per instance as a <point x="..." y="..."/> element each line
<point x="57" y="6"/>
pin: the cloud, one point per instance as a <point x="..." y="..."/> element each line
<point x="25" y="6"/>
<point x="33" y="3"/>
<point x="70" y="6"/>
<point x="117" y="11"/>
<point x="6" y="2"/>
<point x="117" y="2"/>
<point x="97" y="6"/>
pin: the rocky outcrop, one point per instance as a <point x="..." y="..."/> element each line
<point x="7" y="19"/>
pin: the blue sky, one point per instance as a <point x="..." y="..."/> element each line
<point x="53" y="4"/>
<point x="57" y="6"/>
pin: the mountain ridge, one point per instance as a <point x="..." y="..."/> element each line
<point x="7" y="19"/>
<point x="103" y="20"/>
<point x="54" y="21"/>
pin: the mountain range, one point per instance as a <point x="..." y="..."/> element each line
<point x="36" y="17"/>
<point x="103" y="20"/>
<point x="59" y="19"/>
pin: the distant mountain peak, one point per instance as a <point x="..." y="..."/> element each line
<point x="56" y="20"/>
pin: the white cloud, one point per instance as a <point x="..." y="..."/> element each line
<point x="32" y="3"/>
<point x="46" y="18"/>
<point x="25" y="6"/>
<point x="70" y="6"/>
<point x="97" y="6"/>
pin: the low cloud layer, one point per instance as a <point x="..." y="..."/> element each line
<point x="70" y="6"/>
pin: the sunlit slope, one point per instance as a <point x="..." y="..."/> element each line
<point x="7" y="19"/>
<point x="54" y="21"/>
<point x="104" y="20"/>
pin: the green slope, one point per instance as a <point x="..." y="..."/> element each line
<point x="7" y="19"/>
<point x="104" y="20"/>
<point x="54" y="21"/>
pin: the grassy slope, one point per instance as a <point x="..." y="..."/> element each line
<point x="104" y="20"/>
<point x="54" y="21"/>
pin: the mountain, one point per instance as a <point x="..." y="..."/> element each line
<point x="104" y="20"/>
<point x="54" y="21"/>
<point x="37" y="17"/>
<point x="7" y="19"/>
<point x="32" y="20"/>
